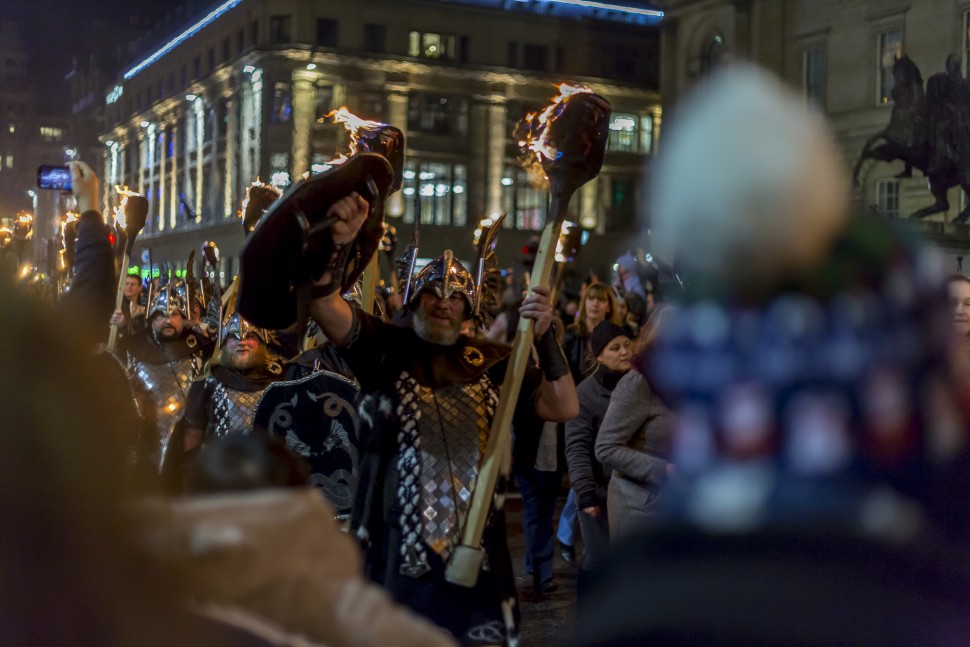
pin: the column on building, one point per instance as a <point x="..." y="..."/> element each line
<point x="107" y="164"/>
<point x="256" y="123"/>
<point x="173" y="202"/>
<point x="213" y="199"/>
<point x="304" y="116"/>
<point x="198" y="114"/>
<point x="655" y="141"/>
<point x="162" y="175"/>
<point x="495" y="158"/>
<point x="232" y="132"/>
<point x="152" y="130"/>
<point x="245" y="133"/>
<point x="141" y="161"/>
<point x="397" y="116"/>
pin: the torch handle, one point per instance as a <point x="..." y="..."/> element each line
<point x="119" y="298"/>
<point x="370" y="285"/>
<point x="464" y="569"/>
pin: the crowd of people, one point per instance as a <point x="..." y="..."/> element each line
<point x="767" y="447"/>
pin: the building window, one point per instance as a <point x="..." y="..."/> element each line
<point x="196" y="67"/>
<point x="327" y="32"/>
<point x="442" y="190"/>
<point x="437" y="114"/>
<point x="282" y="103"/>
<point x="49" y="134"/>
<point x="890" y="48"/>
<point x="887" y="197"/>
<point x="813" y="74"/>
<point x="279" y="30"/>
<point x="374" y="37"/>
<point x="713" y="53"/>
<point x="625" y="63"/>
<point x="535" y="57"/>
<point x="523" y="199"/>
<point x="621" y="201"/>
<point x="225" y="50"/>
<point x="428" y="45"/>
<point x="324" y="100"/>
<point x="9" y="161"/>
<point x="371" y="105"/>
<point x="623" y="133"/>
<point x="240" y="41"/>
<point x="254" y="33"/>
<point x="513" y="54"/>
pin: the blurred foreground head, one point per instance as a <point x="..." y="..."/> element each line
<point x="748" y="183"/>
<point x="822" y="487"/>
<point x="812" y="347"/>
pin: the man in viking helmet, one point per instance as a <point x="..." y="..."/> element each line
<point x="163" y="361"/>
<point x="430" y="395"/>
<point x="224" y="401"/>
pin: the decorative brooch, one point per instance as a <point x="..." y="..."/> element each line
<point x="473" y="356"/>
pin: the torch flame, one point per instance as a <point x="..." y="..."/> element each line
<point x="23" y="227"/>
<point x="257" y="183"/>
<point x="563" y="233"/>
<point x="353" y="125"/>
<point x="121" y="218"/>
<point x="537" y="126"/>
<point x="25" y="270"/>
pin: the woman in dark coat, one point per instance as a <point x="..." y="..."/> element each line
<point x="633" y="441"/>
<point x="613" y="350"/>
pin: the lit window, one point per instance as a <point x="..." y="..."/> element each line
<point x="887" y="197"/>
<point x="49" y="134"/>
<point x="713" y="53"/>
<point x="429" y="45"/>
<point x="11" y="129"/>
<point x="441" y="187"/>
<point x="623" y="132"/>
<point x="890" y="48"/>
<point x="9" y="163"/>
<point x="525" y="199"/>
<point x="646" y="134"/>
<point x="437" y="114"/>
<point x="813" y="74"/>
<point x="280" y="30"/>
<point x="282" y="103"/>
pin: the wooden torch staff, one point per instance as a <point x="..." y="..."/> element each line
<point x="136" y="211"/>
<point x="573" y="139"/>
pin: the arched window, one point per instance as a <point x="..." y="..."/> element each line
<point x="713" y="53"/>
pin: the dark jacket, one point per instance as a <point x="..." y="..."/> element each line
<point x="587" y="475"/>
<point x="89" y="304"/>
<point x="575" y="344"/>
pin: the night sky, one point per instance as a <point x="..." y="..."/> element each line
<point x="52" y="30"/>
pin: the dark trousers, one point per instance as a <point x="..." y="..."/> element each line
<point x="539" y="491"/>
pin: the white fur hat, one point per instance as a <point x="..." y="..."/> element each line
<point x="748" y="182"/>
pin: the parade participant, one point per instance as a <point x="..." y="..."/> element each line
<point x="223" y="402"/>
<point x="587" y="476"/>
<point x="163" y="361"/>
<point x="430" y="393"/>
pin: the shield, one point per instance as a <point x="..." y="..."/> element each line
<point x="317" y="418"/>
<point x="291" y="245"/>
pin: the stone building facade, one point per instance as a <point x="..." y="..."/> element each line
<point x="240" y="93"/>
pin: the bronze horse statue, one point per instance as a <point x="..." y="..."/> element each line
<point x="929" y="131"/>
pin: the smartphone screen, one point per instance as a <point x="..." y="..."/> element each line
<point x="54" y="177"/>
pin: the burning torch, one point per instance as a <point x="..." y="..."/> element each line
<point x="130" y="217"/>
<point x="568" y="140"/>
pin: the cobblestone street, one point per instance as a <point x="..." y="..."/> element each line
<point x="546" y="619"/>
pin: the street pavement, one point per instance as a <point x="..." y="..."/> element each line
<point x="546" y="619"/>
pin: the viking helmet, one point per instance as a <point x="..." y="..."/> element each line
<point x="236" y="326"/>
<point x="166" y="300"/>
<point x="446" y="276"/>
